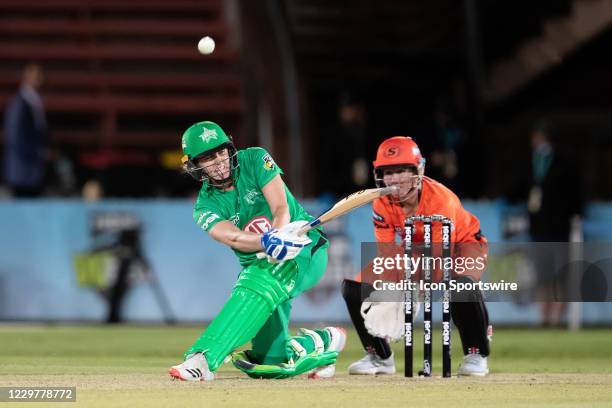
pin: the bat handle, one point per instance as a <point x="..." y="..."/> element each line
<point x="304" y="230"/>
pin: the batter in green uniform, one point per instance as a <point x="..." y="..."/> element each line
<point x="245" y="204"/>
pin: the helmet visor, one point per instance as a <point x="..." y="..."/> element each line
<point x="216" y="166"/>
<point x="406" y="178"/>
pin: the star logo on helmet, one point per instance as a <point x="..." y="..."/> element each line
<point x="208" y="134"/>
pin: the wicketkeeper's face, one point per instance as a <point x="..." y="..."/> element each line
<point x="216" y="165"/>
<point x="405" y="178"/>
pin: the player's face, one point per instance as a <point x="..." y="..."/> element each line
<point x="406" y="179"/>
<point x="216" y="165"/>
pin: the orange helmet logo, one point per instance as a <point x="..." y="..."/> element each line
<point x="398" y="150"/>
<point x="392" y="152"/>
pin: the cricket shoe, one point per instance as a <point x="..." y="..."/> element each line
<point x="337" y="341"/>
<point x="372" y="364"/>
<point x="195" y="368"/>
<point x="474" y="365"/>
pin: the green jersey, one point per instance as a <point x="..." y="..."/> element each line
<point x="245" y="205"/>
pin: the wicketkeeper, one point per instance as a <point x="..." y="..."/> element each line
<point x="399" y="163"/>
<point x="244" y="204"/>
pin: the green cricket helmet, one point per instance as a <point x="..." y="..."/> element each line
<point x="203" y="139"/>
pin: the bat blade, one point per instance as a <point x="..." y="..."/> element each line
<point x="347" y="204"/>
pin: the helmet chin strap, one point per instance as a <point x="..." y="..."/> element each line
<point x="219" y="183"/>
<point x="205" y="177"/>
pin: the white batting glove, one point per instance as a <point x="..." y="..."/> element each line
<point x="284" y="244"/>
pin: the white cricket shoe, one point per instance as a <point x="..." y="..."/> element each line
<point x="195" y="368"/>
<point x="371" y="364"/>
<point x="474" y="365"/>
<point x="337" y="342"/>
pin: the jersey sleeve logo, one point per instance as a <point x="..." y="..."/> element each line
<point x="268" y="162"/>
<point x="379" y="220"/>
<point x="235" y="219"/>
<point x="206" y="218"/>
<point x="258" y="225"/>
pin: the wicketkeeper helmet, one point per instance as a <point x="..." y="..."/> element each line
<point x="397" y="151"/>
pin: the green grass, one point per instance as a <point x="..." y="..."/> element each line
<point x="126" y="366"/>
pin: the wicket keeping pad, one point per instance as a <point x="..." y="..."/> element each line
<point x="259" y="290"/>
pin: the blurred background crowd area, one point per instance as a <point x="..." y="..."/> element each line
<point x="508" y="100"/>
<point x="318" y="83"/>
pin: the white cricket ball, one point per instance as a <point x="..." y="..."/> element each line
<point x="206" y="45"/>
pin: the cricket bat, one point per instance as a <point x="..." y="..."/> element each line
<point x="350" y="203"/>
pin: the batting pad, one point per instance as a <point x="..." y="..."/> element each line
<point x="260" y="289"/>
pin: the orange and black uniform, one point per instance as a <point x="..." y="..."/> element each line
<point x="388" y="219"/>
<point x="471" y="316"/>
<point x="435" y="199"/>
